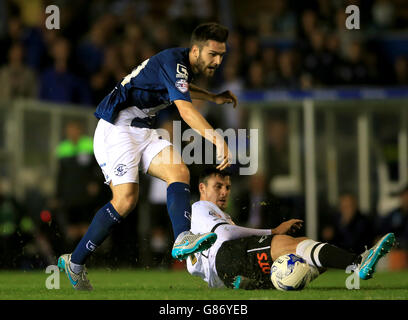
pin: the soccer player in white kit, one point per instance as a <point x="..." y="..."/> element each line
<point x="242" y="257"/>
<point x="125" y="142"/>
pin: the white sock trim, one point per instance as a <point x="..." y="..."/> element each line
<point x="309" y="250"/>
<point x="316" y="254"/>
<point x="76" y="268"/>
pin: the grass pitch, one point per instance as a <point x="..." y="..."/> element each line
<point x="179" y="285"/>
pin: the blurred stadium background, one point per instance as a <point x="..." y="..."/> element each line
<point x="330" y="105"/>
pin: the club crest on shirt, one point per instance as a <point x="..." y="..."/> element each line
<point x="182" y="85"/>
<point x="120" y="170"/>
<point x="215" y="214"/>
<point x="193" y="259"/>
<point x="181" y="72"/>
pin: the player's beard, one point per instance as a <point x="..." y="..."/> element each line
<point x="203" y="67"/>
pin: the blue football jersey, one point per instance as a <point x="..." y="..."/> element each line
<point x="149" y="88"/>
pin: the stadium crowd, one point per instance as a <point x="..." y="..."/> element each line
<point x="272" y="44"/>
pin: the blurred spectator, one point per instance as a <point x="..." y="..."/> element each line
<point x="322" y="51"/>
<point x="344" y="35"/>
<point x="332" y="47"/>
<point x="307" y="26"/>
<point x="251" y="53"/>
<point x="32" y="38"/>
<point x="256" y="76"/>
<point x="185" y="15"/>
<point x="31" y="11"/>
<point x="18" y="80"/>
<point x="348" y="228"/>
<point x="200" y="9"/>
<point x="36" y="40"/>
<point x="162" y="37"/>
<point x="383" y="13"/>
<point x="128" y="10"/>
<point x="269" y="63"/>
<point x="326" y="12"/>
<point x="79" y="182"/>
<point x="231" y="78"/>
<point x="397" y="221"/>
<point x="3" y="19"/>
<point x="58" y="84"/>
<point x="354" y="70"/>
<point x="319" y="62"/>
<point x="278" y="21"/>
<point x="14" y="34"/>
<point x="234" y="45"/>
<point x="91" y="50"/>
<point x="131" y="47"/>
<point x="109" y="75"/>
<point x="277" y="146"/>
<point x="401" y="71"/>
<point x="288" y="77"/>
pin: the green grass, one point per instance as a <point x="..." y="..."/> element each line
<point x="179" y="285"/>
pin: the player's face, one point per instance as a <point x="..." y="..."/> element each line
<point x="216" y="191"/>
<point x="210" y="57"/>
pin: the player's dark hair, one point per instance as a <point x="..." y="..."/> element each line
<point x="209" y="172"/>
<point x="209" y="31"/>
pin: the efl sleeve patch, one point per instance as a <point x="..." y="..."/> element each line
<point x="173" y="77"/>
<point x="182" y="85"/>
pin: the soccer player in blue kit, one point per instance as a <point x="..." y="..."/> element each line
<point x="126" y="143"/>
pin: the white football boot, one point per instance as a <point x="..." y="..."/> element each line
<point x="78" y="280"/>
<point x="188" y="243"/>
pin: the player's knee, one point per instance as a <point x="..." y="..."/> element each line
<point x="282" y="244"/>
<point x="124" y="204"/>
<point x="282" y="239"/>
<point x="185" y="174"/>
<point x="180" y="174"/>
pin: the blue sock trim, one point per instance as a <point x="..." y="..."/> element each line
<point x="179" y="207"/>
<point x="99" y="229"/>
<point x="113" y="213"/>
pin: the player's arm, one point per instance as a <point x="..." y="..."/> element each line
<point x="220" y="98"/>
<point x="288" y="227"/>
<point x="197" y="122"/>
<point x="231" y="232"/>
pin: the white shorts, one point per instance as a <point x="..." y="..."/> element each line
<point x="121" y="151"/>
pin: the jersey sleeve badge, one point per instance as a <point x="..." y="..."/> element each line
<point x="182" y="85"/>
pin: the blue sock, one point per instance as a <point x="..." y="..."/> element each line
<point x="179" y="207"/>
<point x="103" y="222"/>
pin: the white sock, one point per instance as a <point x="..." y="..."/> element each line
<point x="309" y="250"/>
<point x="76" y="268"/>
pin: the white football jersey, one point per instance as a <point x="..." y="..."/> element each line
<point x="207" y="217"/>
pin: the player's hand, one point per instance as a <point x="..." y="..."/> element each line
<point x="224" y="155"/>
<point x="288" y="227"/>
<point x="226" y="97"/>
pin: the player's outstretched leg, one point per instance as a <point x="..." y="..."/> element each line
<point x="168" y="166"/>
<point x="78" y="280"/>
<point x="370" y="258"/>
<point x="188" y="243"/>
